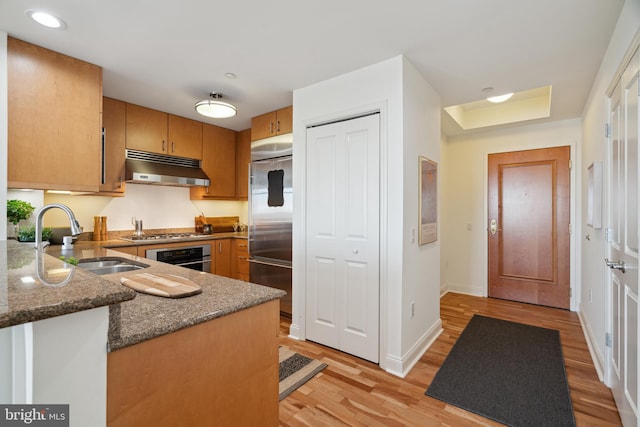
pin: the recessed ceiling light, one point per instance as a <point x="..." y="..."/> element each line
<point x="46" y="19"/>
<point x="230" y="75"/>
<point x="500" y="98"/>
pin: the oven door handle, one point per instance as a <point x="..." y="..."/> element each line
<point x="200" y="261"/>
<point x="271" y="264"/>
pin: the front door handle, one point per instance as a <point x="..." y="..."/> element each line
<point x="493" y="226"/>
<point x="617" y="265"/>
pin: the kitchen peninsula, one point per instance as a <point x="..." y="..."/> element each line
<point x="206" y="359"/>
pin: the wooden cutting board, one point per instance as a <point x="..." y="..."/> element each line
<point x="162" y="285"/>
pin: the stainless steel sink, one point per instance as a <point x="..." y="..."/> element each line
<point x="110" y="265"/>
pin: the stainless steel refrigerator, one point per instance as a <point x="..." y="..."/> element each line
<point x="270" y="215"/>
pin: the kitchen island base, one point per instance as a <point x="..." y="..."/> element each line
<point x="221" y="372"/>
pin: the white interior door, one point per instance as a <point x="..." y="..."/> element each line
<point x="342" y="229"/>
<point x="623" y="245"/>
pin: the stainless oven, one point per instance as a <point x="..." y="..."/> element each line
<point x="194" y="257"/>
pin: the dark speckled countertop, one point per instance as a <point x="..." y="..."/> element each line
<point x="147" y="316"/>
<point x="133" y="317"/>
<point x="32" y="289"/>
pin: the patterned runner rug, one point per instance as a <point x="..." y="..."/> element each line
<point x="295" y="370"/>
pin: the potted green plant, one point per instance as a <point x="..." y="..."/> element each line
<point x="18" y="210"/>
<point x="28" y="233"/>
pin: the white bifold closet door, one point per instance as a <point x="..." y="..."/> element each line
<point x="343" y="235"/>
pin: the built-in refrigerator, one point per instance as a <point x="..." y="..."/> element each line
<point x="270" y="215"/>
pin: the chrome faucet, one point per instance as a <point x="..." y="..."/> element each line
<point x="75" y="227"/>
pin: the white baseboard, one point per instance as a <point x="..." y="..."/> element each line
<point x="401" y="367"/>
<point x="590" y="338"/>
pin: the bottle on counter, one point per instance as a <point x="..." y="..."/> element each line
<point x="97" y="228"/>
<point x="103" y="229"/>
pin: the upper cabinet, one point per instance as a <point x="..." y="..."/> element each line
<point x="218" y="162"/>
<point x="271" y="124"/>
<point x="158" y="132"/>
<point x="113" y="158"/>
<point x="54" y="120"/>
<point x="243" y="158"/>
<point x="185" y="137"/>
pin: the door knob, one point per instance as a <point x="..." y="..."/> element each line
<point x="617" y="265"/>
<point x="493" y="226"/>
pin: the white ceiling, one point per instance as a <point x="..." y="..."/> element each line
<point x="168" y="54"/>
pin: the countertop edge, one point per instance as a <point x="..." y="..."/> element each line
<point x="118" y="344"/>
<point x="67" y="307"/>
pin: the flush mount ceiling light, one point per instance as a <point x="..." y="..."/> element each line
<point x="215" y="108"/>
<point x="499" y="98"/>
<point x="46" y="19"/>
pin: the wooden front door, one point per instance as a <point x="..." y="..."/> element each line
<point x="528" y="201"/>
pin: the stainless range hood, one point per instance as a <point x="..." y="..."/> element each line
<point x="150" y="168"/>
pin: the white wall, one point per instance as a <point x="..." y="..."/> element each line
<point x="158" y="207"/>
<point x="393" y="87"/>
<point x="421" y="263"/>
<point x="593" y="312"/>
<point x="464" y="171"/>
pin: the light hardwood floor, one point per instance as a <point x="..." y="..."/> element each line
<point x="354" y="392"/>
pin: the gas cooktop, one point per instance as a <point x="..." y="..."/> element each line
<point x="161" y="236"/>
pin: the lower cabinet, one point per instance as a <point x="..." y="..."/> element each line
<point x="131" y="250"/>
<point x="223" y="372"/>
<point x="222" y="248"/>
<point x="240" y="260"/>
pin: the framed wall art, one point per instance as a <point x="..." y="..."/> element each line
<point x="428" y="203"/>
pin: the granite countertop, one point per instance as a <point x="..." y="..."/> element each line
<point x="146" y="316"/>
<point x="36" y="286"/>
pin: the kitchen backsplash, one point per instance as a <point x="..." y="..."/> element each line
<point x="158" y="207"/>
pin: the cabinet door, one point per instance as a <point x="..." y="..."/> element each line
<point x="146" y="129"/>
<point x="223" y="257"/>
<point x="54" y="120"/>
<point x="218" y="162"/>
<point x="284" y="120"/>
<point x="113" y="123"/>
<point x="243" y="158"/>
<point x="263" y="126"/>
<point x="185" y="137"/>
<point x="240" y="259"/>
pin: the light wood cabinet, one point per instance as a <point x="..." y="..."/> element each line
<point x="271" y="124"/>
<point x="243" y="158"/>
<point x="219" y="163"/>
<point x="222" y="248"/>
<point x="131" y="250"/>
<point x="113" y="156"/>
<point x="54" y="120"/>
<point x="240" y="259"/>
<point x="158" y="132"/>
<point x="185" y="137"/>
<point x="224" y="371"/>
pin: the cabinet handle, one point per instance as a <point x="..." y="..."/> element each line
<point x="163" y="145"/>
<point x="242" y="257"/>
<point x="173" y="147"/>
<point x="278" y="126"/>
<point x="220" y="247"/>
<point x="120" y="183"/>
<point x="270" y="127"/>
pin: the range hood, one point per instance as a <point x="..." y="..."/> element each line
<point x="150" y="168"/>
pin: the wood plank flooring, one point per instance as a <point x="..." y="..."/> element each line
<point x="354" y="392"/>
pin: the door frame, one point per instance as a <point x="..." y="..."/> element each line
<point x="297" y="330"/>
<point x="576" y="223"/>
